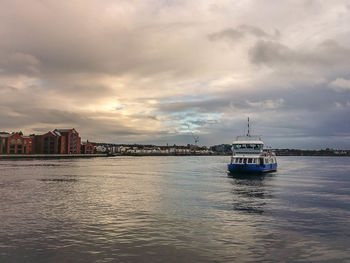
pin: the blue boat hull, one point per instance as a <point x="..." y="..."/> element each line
<point x="252" y="168"/>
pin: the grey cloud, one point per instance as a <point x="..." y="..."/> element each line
<point x="19" y="63"/>
<point x="328" y="54"/>
<point x="299" y="112"/>
<point x="270" y="52"/>
<point x="240" y="32"/>
<point x="313" y="99"/>
<point x="211" y="105"/>
<point x="88" y="42"/>
<point x="254" y="31"/>
<point x="227" y="33"/>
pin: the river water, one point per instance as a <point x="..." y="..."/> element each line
<point x="173" y="209"/>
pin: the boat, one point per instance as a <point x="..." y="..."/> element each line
<point x="249" y="156"/>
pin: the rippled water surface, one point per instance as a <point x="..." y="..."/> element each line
<point x="173" y="209"/>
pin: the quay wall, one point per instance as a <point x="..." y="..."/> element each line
<point x="49" y="156"/>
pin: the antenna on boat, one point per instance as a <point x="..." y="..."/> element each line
<point x="248" y="134"/>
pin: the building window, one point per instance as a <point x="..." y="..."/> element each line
<point x="19" y="146"/>
<point x="4" y="145"/>
<point x="73" y="143"/>
<point x="49" y="144"/>
<point x="13" y="146"/>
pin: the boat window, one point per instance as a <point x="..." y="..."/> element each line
<point x="239" y="146"/>
<point x="250" y="160"/>
<point x="245" y="146"/>
<point x="240" y="160"/>
<point x="254" y="160"/>
<point x="266" y="160"/>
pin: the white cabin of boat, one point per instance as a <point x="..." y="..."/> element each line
<point x="247" y="145"/>
<point x="249" y="149"/>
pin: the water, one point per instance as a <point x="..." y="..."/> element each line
<point x="173" y="209"/>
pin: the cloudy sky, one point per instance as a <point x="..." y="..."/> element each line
<point x="155" y="71"/>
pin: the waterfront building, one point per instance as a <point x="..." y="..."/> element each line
<point x="51" y="142"/>
<point x="101" y="149"/>
<point x="58" y="141"/>
<point x="87" y="148"/>
<point x="72" y="140"/>
<point x="15" y="143"/>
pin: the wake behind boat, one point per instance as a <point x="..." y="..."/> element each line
<point x="249" y="155"/>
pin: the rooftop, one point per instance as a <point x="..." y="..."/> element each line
<point x="63" y="130"/>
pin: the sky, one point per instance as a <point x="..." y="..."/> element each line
<point x="158" y="71"/>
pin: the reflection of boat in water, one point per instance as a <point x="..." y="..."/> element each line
<point x="249" y="155"/>
<point x="250" y="192"/>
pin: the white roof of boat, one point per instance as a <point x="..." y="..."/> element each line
<point x="241" y="155"/>
<point x="248" y="139"/>
<point x="248" y="142"/>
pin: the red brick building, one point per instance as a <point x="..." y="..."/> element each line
<point x="59" y="141"/>
<point x="72" y="140"/>
<point x="87" y="148"/>
<point x="50" y="143"/>
<point x="15" y="143"/>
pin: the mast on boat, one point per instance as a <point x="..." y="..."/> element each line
<point x="248" y="134"/>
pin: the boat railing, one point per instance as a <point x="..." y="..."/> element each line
<point x="248" y="138"/>
<point x="247" y="151"/>
<point x="268" y="153"/>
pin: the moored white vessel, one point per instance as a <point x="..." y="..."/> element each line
<point x="249" y="155"/>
